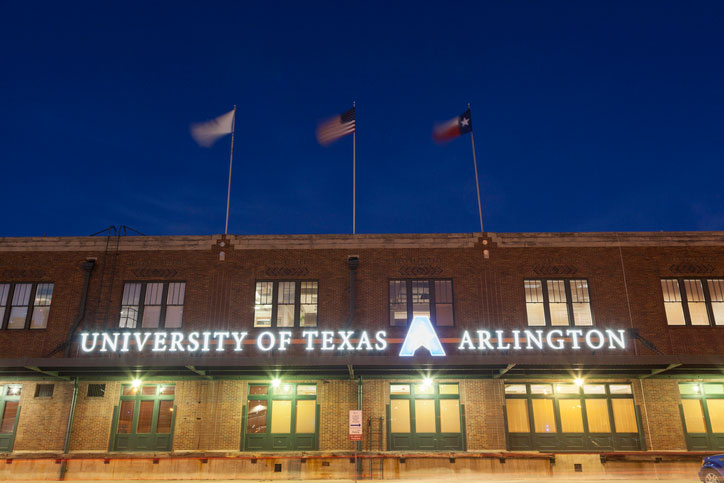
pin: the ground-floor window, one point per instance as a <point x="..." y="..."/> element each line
<point x="144" y="419"/>
<point x="9" y="413"/>
<point x="426" y="416"/>
<point x="281" y="417"/>
<point x="702" y="413"/>
<point x="592" y="416"/>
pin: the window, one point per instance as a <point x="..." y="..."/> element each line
<point x="693" y="301"/>
<point x="96" y="390"/>
<point x="565" y="416"/>
<point x="557" y="303"/>
<point x="702" y="413"/>
<point x="44" y="390"/>
<point x="9" y="412"/>
<point x="281" y="418"/>
<point x="145" y="418"/>
<point x="286" y="303"/>
<point x="154" y="304"/>
<point x="25" y="305"/>
<point x="429" y="298"/>
<point x="425" y="417"/>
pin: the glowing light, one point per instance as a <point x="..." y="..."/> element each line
<point x="421" y="334"/>
<point x="136" y="383"/>
<point x="578" y="381"/>
<point x="427" y="382"/>
<point x="276" y="382"/>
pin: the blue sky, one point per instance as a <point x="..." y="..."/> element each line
<point x="588" y="116"/>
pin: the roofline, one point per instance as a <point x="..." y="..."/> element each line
<point x="365" y="241"/>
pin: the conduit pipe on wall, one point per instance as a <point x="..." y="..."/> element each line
<point x="69" y="429"/>
<point x="88" y="267"/>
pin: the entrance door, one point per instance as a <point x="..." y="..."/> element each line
<point x="281" y="418"/>
<point x="9" y="413"/>
<point x="425" y="417"/>
<point x="144" y="419"/>
<point x="702" y="413"/>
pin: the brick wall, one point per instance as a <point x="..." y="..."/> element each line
<point x="664" y="430"/>
<point x="488" y="292"/>
<point x="336" y="398"/>
<point x="93" y="418"/>
<point x="209" y="415"/>
<point x="484" y="426"/>
<point x="43" y="421"/>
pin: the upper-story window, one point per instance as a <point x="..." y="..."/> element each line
<point x="152" y="305"/>
<point x="693" y="301"/>
<point x="558" y="302"/>
<point x="431" y="298"/>
<point x="286" y="303"/>
<point x="25" y="305"/>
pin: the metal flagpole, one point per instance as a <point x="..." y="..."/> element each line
<point x="231" y="159"/>
<point x="477" y="184"/>
<point x="354" y="172"/>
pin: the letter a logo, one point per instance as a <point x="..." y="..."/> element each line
<point x="421" y="334"/>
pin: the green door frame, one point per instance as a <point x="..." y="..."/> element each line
<point x="437" y="441"/>
<point x="582" y="441"/>
<point x="269" y="441"/>
<point x="702" y="441"/>
<point x="7" y="440"/>
<point x="151" y="441"/>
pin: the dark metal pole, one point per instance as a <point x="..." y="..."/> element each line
<point x="68" y="431"/>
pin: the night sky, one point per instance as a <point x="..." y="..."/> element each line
<point x="588" y="116"/>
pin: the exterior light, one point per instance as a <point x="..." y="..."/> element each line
<point x="578" y="381"/>
<point x="276" y="382"/>
<point x="136" y="383"/>
<point x="427" y="381"/>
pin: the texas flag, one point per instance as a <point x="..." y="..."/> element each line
<point x="453" y="128"/>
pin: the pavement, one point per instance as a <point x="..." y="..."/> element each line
<point x="466" y="478"/>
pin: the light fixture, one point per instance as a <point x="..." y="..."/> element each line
<point x="578" y="381"/>
<point x="136" y="383"/>
<point x="427" y="381"/>
<point x="276" y="382"/>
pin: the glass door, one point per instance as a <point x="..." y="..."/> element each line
<point x="425" y="417"/>
<point x="284" y="417"/>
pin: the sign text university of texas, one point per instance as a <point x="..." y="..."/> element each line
<point x="421" y="333"/>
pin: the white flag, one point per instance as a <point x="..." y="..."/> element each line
<point x="206" y="133"/>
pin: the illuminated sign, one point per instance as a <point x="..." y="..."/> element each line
<point x="421" y="334"/>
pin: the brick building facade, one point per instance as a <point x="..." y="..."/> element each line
<point x="602" y="345"/>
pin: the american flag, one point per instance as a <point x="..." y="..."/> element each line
<point x="335" y="128"/>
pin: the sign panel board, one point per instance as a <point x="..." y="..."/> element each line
<point x="355" y="425"/>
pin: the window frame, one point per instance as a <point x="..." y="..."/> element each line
<point x="433" y="303"/>
<point x="275" y="303"/>
<point x="417" y="439"/>
<point x="685" y="301"/>
<point x="712" y="440"/>
<point x="7" y="440"/>
<point x="267" y="439"/>
<point x="559" y="437"/>
<point x="569" y="301"/>
<point x="142" y="303"/>
<point x="133" y="439"/>
<point x="31" y="305"/>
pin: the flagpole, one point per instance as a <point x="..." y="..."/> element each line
<point x="477" y="184"/>
<point x="231" y="159"/>
<point x="354" y="173"/>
